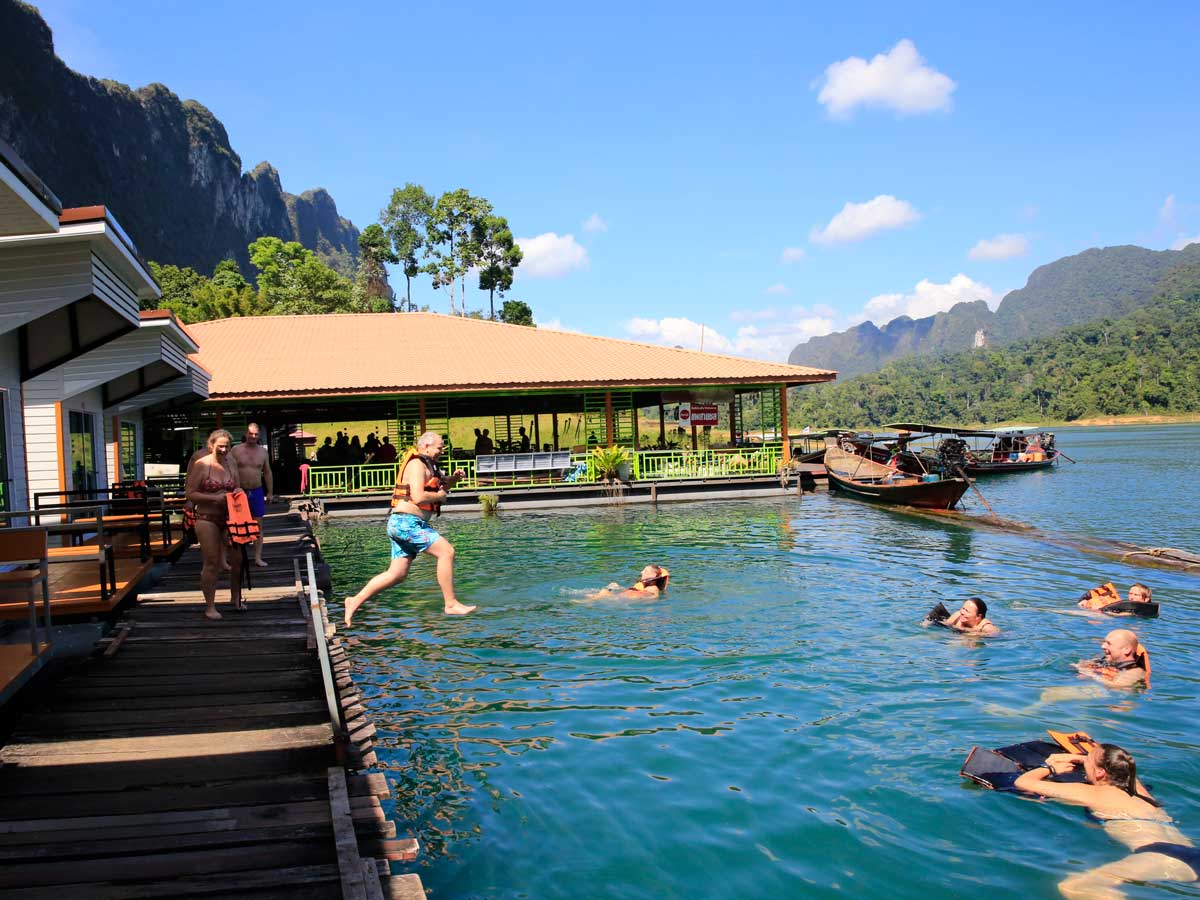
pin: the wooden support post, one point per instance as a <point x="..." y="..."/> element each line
<point x="608" y="418"/>
<point x="783" y="426"/>
<point x="694" y="445"/>
<point x="537" y="433"/>
<point x="662" y="425"/>
<point x="421" y="415"/>
<point x="733" y="423"/>
<point x="554" y="427"/>
<point x="634" y="414"/>
<point x="220" y="417"/>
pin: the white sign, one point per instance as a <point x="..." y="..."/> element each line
<point x="697" y="414"/>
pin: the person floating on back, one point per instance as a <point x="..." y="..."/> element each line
<point x="650" y="584"/>
<point x="1107" y="594"/>
<point x="421" y="488"/>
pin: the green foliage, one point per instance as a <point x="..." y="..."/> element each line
<point x="1143" y="363"/>
<point x="227" y="275"/>
<point x="292" y="281"/>
<point x="372" y="293"/>
<point x="404" y="221"/>
<point x="449" y="242"/>
<point x="498" y="255"/>
<point x="177" y="284"/>
<point x="607" y="461"/>
<point x="517" y="312"/>
<point x="489" y="502"/>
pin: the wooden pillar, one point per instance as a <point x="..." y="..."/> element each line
<point x="421" y="416"/>
<point x="783" y="426"/>
<point x="554" y="428"/>
<point x="537" y="432"/>
<point x="634" y="413"/>
<point x="695" y="446"/>
<point x="608" y="417"/>
<point x="733" y="436"/>
<point x="220" y="417"/>
<point x="662" y="424"/>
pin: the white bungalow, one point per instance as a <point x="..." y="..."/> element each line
<point x="78" y="361"/>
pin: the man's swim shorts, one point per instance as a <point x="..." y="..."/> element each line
<point x="410" y="535"/>
<point x="257" y="499"/>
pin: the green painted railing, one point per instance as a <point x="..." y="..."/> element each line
<point x="647" y="465"/>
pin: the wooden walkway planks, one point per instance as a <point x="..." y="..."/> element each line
<point x="190" y="758"/>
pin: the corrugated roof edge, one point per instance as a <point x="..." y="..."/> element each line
<point x="485" y="322"/>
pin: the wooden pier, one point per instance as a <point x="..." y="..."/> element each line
<point x="196" y="758"/>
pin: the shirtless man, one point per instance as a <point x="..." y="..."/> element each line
<point x="1123" y="664"/>
<point x="414" y="502"/>
<point x="254" y="474"/>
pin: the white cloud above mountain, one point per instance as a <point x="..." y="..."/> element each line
<point x="858" y="221"/>
<point x="927" y="298"/>
<point x="550" y="255"/>
<point x="1182" y="241"/>
<point x="898" y="80"/>
<point x="770" y="335"/>
<point x="1002" y="246"/>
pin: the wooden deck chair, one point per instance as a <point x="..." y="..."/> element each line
<point x="26" y="547"/>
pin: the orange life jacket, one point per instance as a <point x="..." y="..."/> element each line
<point x="435" y="482"/>
<point x="1098" y="598"/>
<point x="1141" y="660"/>
<point x="240" y="523"/>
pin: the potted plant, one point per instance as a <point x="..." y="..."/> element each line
<point x="611" y="463"/>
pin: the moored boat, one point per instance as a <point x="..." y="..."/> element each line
<point x="852" y="473"/>
<point x="986" y="451"/>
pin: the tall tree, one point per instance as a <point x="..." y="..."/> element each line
<point x="372" y="293"/>
<point x="293" y="281"/>
<point x="497" y="254"/>
<point x="227" y="275"/>
<point x="450" y="244"/>
<point x="405" y="221"/>
<point x="177" y="284"/>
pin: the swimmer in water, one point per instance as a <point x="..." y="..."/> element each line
<point x="1125" y="662"/>
<point x="972" y="619"/>
<point x="650" y="585"/>
<point x="1113" y="794"/>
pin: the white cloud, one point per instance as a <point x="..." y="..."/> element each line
<point x="1166" y="212"/>
<point x="1184" y="241"/>
<point x="555" y="325"/>
<point x="777" y="289"/>
<point x="928" y="298"/>
<point x="551" y="256"/>
<point x="1002" y="246"/>
<point x="857" y="221"/>
<point x="594" y="224"/>
<point x="792" y="255"/>
<point x="772" y="341"/>
<point x="898" y="80"/>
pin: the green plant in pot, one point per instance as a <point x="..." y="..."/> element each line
<point x="607" y="462"/>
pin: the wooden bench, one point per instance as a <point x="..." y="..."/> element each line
<point x="96" y="548"/>
<point x="540" y="465"/>
<point x="26" y="547"/>
<point x="124" y="511"/>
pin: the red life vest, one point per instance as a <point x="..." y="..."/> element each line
<point x="435" y="482"/>
<point x="240" y="523"/>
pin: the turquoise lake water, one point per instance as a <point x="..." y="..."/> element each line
<point x="779" y="725"/>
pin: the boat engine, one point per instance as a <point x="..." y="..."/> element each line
<point x="953" y="454"/>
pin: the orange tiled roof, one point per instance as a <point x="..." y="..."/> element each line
<point x="390" y="353"/>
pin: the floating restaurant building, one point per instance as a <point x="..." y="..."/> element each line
<point x="419" y="371"/>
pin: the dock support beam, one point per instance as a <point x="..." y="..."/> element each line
<point x="783" y="425"/>
<point x="554" y="426"/>
<point x="608" y="418"/>
<point x="421" y="415"/>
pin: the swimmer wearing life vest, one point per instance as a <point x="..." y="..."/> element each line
<point x="1107" y="594"/>
<point x="650" y="585"/>
<point x="1113" y="793"/>
<point x="1125" y="662"/>
<point x="972" y="619"/>
<point x="421" y="488"/>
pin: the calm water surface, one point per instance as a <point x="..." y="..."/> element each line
<point x="779" y="726"/>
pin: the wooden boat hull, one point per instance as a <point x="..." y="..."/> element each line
<point x="998" y="468"/>
<point x="942" y="494"/>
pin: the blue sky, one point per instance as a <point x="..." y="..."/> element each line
<point x="768" y="171"/>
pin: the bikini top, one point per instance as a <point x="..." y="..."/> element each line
<point x="210" y="485"/>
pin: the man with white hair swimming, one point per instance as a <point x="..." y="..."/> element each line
<point x="421" y="488"/>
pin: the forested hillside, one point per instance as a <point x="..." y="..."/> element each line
<point x="1146" y="362"/>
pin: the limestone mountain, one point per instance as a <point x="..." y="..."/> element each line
<point x="1095" y="284"/>
<point x="164" y="166"/>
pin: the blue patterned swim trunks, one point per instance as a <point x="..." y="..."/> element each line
<point x="410" y="535"/>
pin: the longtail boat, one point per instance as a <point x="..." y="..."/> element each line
<point x="858" y="475"/>
<point x="984" y="451"/>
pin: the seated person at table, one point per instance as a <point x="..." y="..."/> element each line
<point x="972" y="619"/>
<point x="1124" y="664"/>
<point x="650" y="584"/>
<point x="1113" y="794"/>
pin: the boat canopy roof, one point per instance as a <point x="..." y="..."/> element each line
<point x="915" y="428"/>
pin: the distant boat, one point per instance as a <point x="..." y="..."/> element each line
<point x="1024" y="448"/>
<point x="851" y="472"/>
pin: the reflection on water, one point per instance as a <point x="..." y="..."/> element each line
<point x="778" y="725"/>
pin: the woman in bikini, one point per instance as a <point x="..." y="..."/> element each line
<point x="1115" y="796"/>
<point x="650" y="585"/>
<point x="210" y="479"/>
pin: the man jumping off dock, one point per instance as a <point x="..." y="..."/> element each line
<point x="421" y="488"/>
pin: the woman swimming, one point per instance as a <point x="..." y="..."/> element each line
<point x="650" y="584"/>
<point x="972" y="619"/>
<point x="1130" y="815"/>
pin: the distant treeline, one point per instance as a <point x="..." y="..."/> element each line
<point x="1147" y="362"/>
